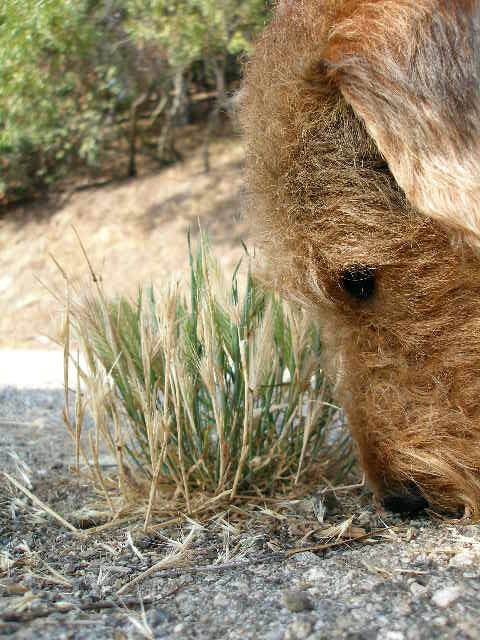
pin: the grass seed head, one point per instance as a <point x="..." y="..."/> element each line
<point x="188" y="391"/>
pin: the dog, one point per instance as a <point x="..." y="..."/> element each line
<point x="362" y="128"/>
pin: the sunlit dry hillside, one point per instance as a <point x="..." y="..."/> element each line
<point x="134" y="232"/>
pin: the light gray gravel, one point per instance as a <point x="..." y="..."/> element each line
<point x="421" y="582"/>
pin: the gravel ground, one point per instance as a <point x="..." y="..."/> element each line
<point x="420" y="580"/>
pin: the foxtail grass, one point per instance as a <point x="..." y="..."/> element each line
<point x="204" y="396"/>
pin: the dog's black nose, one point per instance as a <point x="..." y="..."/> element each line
<point x="411" y="501"/>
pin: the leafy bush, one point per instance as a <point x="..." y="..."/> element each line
<point x="74" y="73"/>
<point x="52" y="95"/>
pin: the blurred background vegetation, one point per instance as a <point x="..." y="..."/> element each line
<point x="90" y="87"/>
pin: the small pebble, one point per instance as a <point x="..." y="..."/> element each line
<point x="392" y="635"/>
<point x="469" y="629"/>
<point x="274" y="634"/>
<point x="296" y="601"/>
<point x="298" y="630"/>
<point x="316" y="574"/>
<point x="221" y="600"/>
<point x="447" y="596"/>
<point x="417" y="589"/>
<point x="463" y="559"/>
<point x="440" y="621"/>
<point x="156" y="617"/>
<point x="306" y="557"/>
<point x="403" y="609"/>
<point x="364" y="518"/>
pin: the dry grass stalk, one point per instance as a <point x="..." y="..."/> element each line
<point x="44" y="506"/>
<point x="178" y="558"/>
<point x="189" y="396"/>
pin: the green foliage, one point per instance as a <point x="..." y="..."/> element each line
<point x="47" y="101"/>
<point x="191" y="30"/>
<point x="71" y="69"/>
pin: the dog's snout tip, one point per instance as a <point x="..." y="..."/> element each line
<point x="406" y="503"/>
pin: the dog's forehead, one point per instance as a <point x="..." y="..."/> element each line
<point x="415" y="82"/>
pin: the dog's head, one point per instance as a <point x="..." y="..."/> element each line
<point x="362" y="122"/>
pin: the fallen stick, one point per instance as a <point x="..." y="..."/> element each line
<point x="98" y="605"/>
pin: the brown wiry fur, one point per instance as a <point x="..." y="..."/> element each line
<point x="334" y="89"/>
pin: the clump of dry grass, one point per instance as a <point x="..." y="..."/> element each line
<point x="205" y="398"/>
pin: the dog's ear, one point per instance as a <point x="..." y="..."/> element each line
<point x="411" y="70"/>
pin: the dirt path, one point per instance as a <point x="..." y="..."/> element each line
<point x="134" y="233"/>
<point x="417" y="581"/>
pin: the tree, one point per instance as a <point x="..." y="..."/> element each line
<point x="48" y="85"/>
<point x="192" y="30"/>
<point x="77" y="74"/>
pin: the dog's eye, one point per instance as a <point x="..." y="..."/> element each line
<point x="382" y="167"/>
<point x="379" y="165"/>
<point x="358" y="282"/>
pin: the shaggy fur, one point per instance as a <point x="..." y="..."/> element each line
<point x="362" y="122"/>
